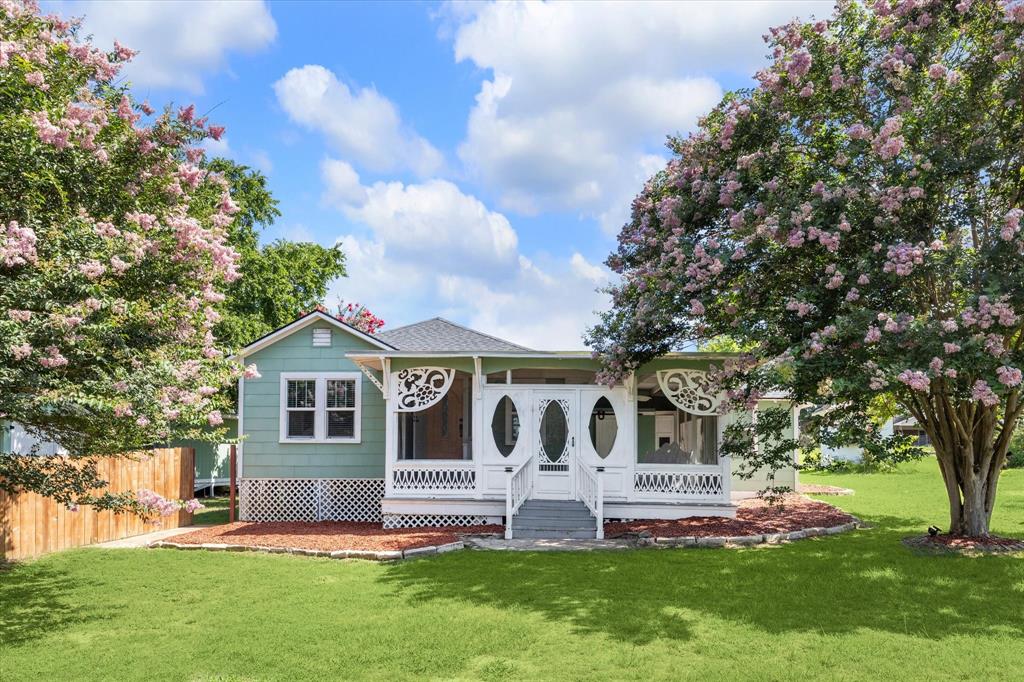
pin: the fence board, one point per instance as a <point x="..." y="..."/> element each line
<point x="31" y="525"/>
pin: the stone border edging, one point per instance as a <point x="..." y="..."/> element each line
<point x="369" y="554"/>
<point x="748" y="540"/>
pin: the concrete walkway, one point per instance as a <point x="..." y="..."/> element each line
<point x="139" y="541"/>
<point x="545" y="545"/>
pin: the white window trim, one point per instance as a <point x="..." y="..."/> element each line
<point x="320" y="414"/>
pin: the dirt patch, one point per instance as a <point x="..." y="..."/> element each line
<point x="753" y="517"/>
<point x="328" y="535"/>
<point x="958" y="544"/>
<point x="816" y="489"/>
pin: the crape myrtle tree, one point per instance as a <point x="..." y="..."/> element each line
<point x="113" y="258"/>
<point x="856" y="218"/>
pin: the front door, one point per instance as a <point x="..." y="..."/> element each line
<point x="555" y="449"/>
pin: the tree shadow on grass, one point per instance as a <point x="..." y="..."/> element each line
<point x="32" y="602"/>
<point x="829" y="585"/>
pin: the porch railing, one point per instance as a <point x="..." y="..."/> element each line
<point x="707" y="482"/>
<point x="518" y="485"/>
<point x="434" y="478"/>
<point x="590" y="491"/>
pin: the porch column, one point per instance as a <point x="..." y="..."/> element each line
<point x="390" y="441"/>
<point x="477" y="411"/>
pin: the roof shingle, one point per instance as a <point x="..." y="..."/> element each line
<point x="440" y="335"/>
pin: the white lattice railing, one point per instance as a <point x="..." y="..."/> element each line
<point x="590" y="491"/>
<point x="433" y="479"/>
<point x="310" y="499"/>
<point x="679" y="484"/>
<point x="518" y="486"/>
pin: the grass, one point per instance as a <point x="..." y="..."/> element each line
<point x="851" y="607"/>
<point x="214" y="512"/>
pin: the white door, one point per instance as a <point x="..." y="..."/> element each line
<point x="555" y="420"/>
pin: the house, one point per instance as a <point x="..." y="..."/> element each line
<point x="433" y="423"/>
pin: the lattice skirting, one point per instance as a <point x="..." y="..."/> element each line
<point x="421" y="520"/>
<point x="311" y="499"/>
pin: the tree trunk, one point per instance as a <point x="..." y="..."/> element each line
<point x="968" y="487"/>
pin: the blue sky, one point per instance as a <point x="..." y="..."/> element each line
<point x="474" y="159"/>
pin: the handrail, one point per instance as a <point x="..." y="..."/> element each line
<point x="518" y="485"/>
<point x="590" y="491"/>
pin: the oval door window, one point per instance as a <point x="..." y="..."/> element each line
<point x="554" y="431"/>
<point x="505" y="426"/>
<point x="603" y="427"/>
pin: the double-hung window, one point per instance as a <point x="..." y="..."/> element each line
<point x="320" y="407"/>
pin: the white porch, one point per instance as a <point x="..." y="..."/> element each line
<point x="518" y="441"/>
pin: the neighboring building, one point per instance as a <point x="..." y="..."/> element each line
<point x="902" y="425"/>
<point x="436" y="423"/>
<point x="211" y="459"/>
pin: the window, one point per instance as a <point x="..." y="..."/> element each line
<point x="341" y="408"/>
<point x="301" y="408"/>
<point x="320" y="408"/>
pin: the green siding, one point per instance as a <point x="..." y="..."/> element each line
<point x="644" y="433"/>
<point x="265" y="457"/>
<point x="5" y="435"/>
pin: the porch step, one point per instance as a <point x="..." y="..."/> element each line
<point x="553" y="519"/>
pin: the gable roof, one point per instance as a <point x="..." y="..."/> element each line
<point x="303" y="322"/>
<point x="440" y="335"/>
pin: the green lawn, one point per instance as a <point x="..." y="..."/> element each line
<point x="214" y="512"/>
<point x="855" y="606"/>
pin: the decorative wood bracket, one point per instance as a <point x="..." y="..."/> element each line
<point x="690" y="390"/>
<point x="417" y="388"/>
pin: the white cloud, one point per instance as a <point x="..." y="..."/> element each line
<point x="178" y="42"/>
<point x="434" y="250"/>
<point x="363" y="124"/>
<point x="342" y="187"/>
<point x="581" y="94"/>
<point x="432" y="222"/>
<point x="546" y="308"/>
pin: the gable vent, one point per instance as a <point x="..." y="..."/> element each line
<point x="321" y="337"/>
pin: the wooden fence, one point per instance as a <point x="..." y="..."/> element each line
<point x="31" y="525"/>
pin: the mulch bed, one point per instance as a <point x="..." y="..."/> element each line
<point x="328" y="535"/>
<point x="958" y="544"/>
<point x="753" y="517"/>
<point x="816" y="489"/>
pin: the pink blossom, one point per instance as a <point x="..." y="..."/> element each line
<point x="935" y="365"/>
<point x="36" y="78"/>
<point x="118" y="266"/>
<point x="983" y="393"/>
<point x="1011" y="223"/>
<point x="21" y="351"/>
<point x="696" y="307"/>
<point x="215" y="418"/>
<point x="17" y="245"/>
<point x="92" y="269"/>
<point x="937" y="71"/>
<point x="216" y="132"/>
<point x="950" y="348"/>
<point x="53" y="358"/>
<point x="250" y="372"/>
<point x="1008" y="376"/>
<point x="874" y="335"/>
<point x="19" y="315"/>
<point x="142" y="421"/>
<point x="916" y="380"/>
